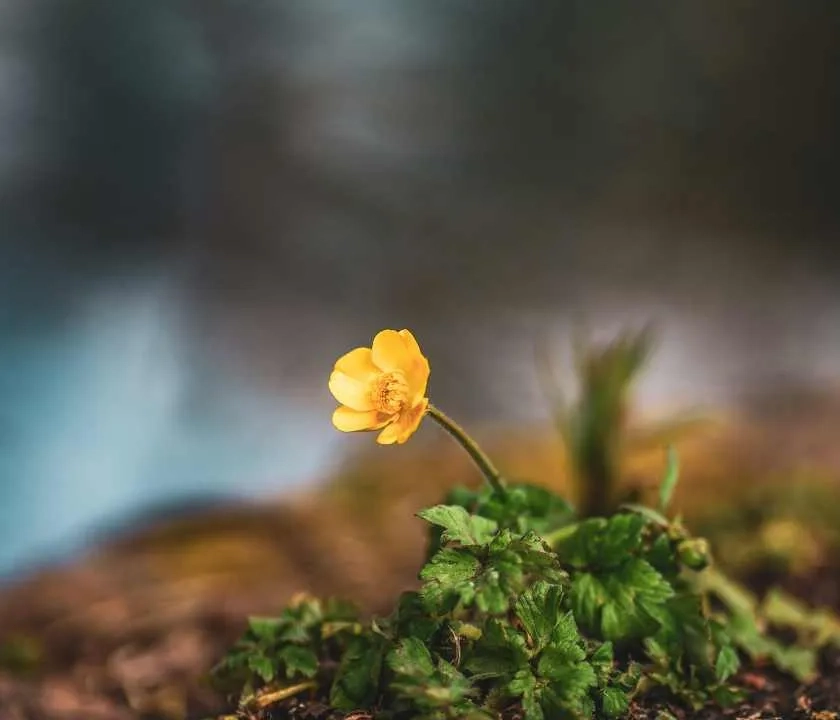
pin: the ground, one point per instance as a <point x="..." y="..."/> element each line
<point x="130" y="631"/>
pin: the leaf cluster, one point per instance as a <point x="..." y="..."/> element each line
<point x="524" y="609"/>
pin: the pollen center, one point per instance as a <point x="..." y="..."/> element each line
<point x="389" y="392"/>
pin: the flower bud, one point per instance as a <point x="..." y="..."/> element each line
<point x="694" y="553"/>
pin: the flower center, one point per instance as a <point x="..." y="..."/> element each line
<point x="389" y="392"/>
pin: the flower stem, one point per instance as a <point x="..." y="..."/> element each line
<point x="488" y="469"/>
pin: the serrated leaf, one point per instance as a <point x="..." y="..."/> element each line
<point x="499" y="651"/>
<point x="356" y="683"/>
<point x="411" y="618"/>
<point x="614" y="702"/>
<point x="522" y="683"/>
<point x="572" y="682"/>
<point x="622" y="604"/>
<point x="265" y="628"/>
<point x="450" y="567"/>
<point x="531" y="707"/>
<point x="554" y="663"/>
<point x="669" y="482"/>
<point x="459" y="526"/>
<point x="602" y="544"/>
<point x="623" y="536"/>
<point x="262" y="666"/>
<point x="490" y="598"/>
<point x="412" y="658"/>
<point x="449" y="578"/>
<point x="727" y="663"/>
<point x="539" y="610"/>
<point x="602" y="661"/>
<point x="298" y="660"/>
<point x="566" y="639"/>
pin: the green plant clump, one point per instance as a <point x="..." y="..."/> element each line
<point x="527" y="609"/>
<point x="571" y="621"/>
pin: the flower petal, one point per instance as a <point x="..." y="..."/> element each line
<point x="351" y="392"/>
<point x="410" y="341"/>
<point x="404" y="426"/>
<point x="417" y="373"/>
<point x="358" y="364"/>
<point x="349" y="420"/>
<point x="390" y="351"/>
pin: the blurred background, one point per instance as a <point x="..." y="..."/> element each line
<point x="203" y="204"/>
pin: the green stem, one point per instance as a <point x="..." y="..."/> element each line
<point x="488" y="469"/>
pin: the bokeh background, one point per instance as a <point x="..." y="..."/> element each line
<point x="204" y="202"/>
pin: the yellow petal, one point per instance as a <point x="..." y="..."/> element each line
<point x="417" y="372"/>
<point x="404" y="426"/>
<point x="358" y="364"/>
<point x="389" y="435"/>
<point x="390" y="351"/>
<point x="348" y="391"/>
<point x="410" y="341"/>
<point x="349" y="420"/>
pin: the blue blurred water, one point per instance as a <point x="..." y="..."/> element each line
<point x="116" y="410"/>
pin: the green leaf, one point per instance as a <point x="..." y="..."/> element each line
<point x="614" y="702"/>
<point x="298" y="660"/>
<point x="490" y="597"/>
<point x="622" y="604"/>
<point x="603" y="544"/>
<point x="265" y="628"/>
<point x="523" y="683"/>
<point x="571" y="684"/>
<point x="813" y="627"/>
<point x="450" y="567"/>
<point x="526" y="507"/>
<point x="532" y="707"/>
<point x="262" y="666"/>
<point x="500" y="651"/>
<point x="554" y="663"/>
<point x="602" y="661"/>
<point x="356" y="683"/>
<point x="517" y="558"/>
<point x="459" y="526"/>
<point x="727" y="663"/>
<point x="411" y="617"/>
<point x="801" y="662"/>
<point x="412" y="658"/>
<point x="539" y="610"/>
<point x="726" y="696"/>
<point x="448" y="578"/>
<point x="669" y="482"/>
<point x="654" y="516"/>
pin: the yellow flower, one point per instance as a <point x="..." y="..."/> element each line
<point x="383" y="386"/>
